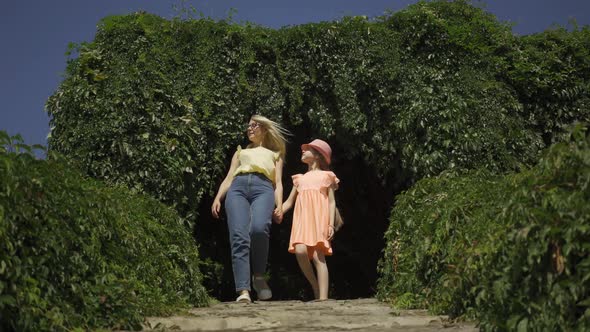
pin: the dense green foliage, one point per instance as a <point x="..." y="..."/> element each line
<point x="550" y="73"/>
<point x="159" y="105"/>
<point x="512" y="251"/>
<point x="75" y="253"/>
<point x="453" y="215"/>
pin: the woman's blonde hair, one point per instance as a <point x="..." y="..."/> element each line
<point x="275" y="136"/>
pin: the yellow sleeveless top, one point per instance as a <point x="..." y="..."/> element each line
<point x="257" y="160"/>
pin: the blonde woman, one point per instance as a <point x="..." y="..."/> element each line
<point x="253" y="192"/>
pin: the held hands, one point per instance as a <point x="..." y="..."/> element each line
<point x="277" y="215"/>
<point x="215" y="207"/>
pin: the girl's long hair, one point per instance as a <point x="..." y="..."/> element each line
<point x="275" y="136"/>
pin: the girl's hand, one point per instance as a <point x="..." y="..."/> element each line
<point x="330" y="232"/>
<point x="277" y="215"/>
<point x="215" y="207"/>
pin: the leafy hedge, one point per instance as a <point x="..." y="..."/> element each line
<point x="75" y="253"/>
<point x="512" y="251"/>
<point x="159" y="105"/>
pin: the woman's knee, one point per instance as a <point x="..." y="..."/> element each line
<point x="260" y="227"/>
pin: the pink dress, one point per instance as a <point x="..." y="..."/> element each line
<point x="311" y="215"/>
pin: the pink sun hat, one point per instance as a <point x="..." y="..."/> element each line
<point x="322" y="147"/>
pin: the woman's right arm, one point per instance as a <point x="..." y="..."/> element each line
<point x="224" y="187"/>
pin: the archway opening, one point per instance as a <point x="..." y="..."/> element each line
<point x="364" y="198"/>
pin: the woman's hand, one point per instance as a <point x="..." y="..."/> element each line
<point x="215" y="207"/>
<point x="224" y="187"/>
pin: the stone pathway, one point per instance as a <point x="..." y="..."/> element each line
<point x="278" y="316"/>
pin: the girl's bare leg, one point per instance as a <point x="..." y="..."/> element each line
<point x="306" y="268"/>
<point x="321" y="267"/>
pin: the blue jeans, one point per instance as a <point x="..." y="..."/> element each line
<point x="249" y="205"/>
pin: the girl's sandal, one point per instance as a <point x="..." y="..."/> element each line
<point x="318" y="300"/>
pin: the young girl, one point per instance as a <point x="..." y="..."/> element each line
<point x="314" y="214"/>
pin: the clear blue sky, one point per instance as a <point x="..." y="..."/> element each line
<point x="34" y="35"/>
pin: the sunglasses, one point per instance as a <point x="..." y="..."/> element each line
<point x="253" y="126"/>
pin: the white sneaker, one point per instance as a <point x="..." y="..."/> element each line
<point x="261" y="287"/>
<point x="244" y="298"/>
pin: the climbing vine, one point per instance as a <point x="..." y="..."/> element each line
<point x="77" y="254"/>
<point x="159" y="105"/>
<point x="507" y="250"/>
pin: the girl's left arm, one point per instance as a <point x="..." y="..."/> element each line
<point x="332" y="213"/>
<point x="278" y="212"/>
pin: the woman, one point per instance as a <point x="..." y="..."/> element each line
<point x="252" y="188"/>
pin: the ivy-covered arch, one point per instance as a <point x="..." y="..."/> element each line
<point x="159" y="105"/>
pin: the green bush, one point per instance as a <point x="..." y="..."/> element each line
<point x="75" y="253"/>
<point x="549" y="72"/>
<point x="539" y="279"/>
<point x="159" y="105"/>
<point x="453" y="216"/>
<point x="511" y="251"/>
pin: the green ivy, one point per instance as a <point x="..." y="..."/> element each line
<point x="550" y="72"/>
<point x="159" y="105"/>
<point x="75" y="253"/>
<point x="509" y="250"/>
